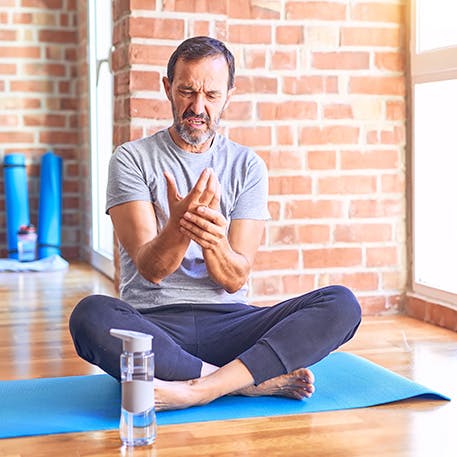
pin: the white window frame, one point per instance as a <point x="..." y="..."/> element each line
<point x="429" y="66"/>
<point x="99" y="52"/>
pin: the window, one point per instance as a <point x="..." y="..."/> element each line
<point x="434" y="148"/>
<point x="101" y="130"/>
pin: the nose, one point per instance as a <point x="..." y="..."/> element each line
<point x="198" y="105"/>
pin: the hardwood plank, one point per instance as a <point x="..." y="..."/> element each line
<point x="35" y="342"/>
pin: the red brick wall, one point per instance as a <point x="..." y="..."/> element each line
<point x="321" y="97"/>
<point x="38" y="101"/>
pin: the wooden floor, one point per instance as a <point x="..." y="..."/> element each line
<point x="34" y="342"/>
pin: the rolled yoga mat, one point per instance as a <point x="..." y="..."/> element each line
<point x="87" y="403"/>
<point x="50" y="206"/>
<point x="16" y="199"/>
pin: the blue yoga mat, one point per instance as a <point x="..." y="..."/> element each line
<point x="85" y="403"/>
<point x="16" y="199"/>
<point x="50" y="205"/>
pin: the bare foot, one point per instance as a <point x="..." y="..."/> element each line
<point x="296" y="384"/>
<point x="175" y="395"/>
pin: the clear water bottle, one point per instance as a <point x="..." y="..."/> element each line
<point x="138" y="419"/>
<point x="26" y="243"/>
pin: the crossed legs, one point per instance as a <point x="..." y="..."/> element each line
<point x="249" y="351"/>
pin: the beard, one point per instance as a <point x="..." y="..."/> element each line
<point x="191" y="135"/>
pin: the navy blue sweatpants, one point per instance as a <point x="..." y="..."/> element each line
<point x="270" y="341"/>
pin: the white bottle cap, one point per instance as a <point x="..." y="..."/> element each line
<point x="133" y="341"/>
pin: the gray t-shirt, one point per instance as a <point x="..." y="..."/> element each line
<point x="136" y="173"/>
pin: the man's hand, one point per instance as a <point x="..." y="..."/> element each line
<point x="206" y="192"/>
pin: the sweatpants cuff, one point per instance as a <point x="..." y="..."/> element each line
<point x="262" y="362"/>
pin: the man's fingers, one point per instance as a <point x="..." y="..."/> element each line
<point x="216" y="200"/>
<point x="172" y="191"/>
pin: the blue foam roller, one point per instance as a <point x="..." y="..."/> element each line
<point x="50" y="205"/>
<point x="16" y="199"/>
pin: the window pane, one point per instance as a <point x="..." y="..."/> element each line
<point x="435" y="185"/>
<point x="436" y="24"/>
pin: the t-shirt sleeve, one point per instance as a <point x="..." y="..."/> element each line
<point x="126" y="180"/>
<point x="252" y="202"/>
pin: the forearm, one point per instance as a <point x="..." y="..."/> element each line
<point x="162" y="256"/>
<point x="226" y="267"/>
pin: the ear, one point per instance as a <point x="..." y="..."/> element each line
<point x="229" y="96"/>
<point x="167" y="87"/>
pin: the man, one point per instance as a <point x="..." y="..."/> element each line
<point x="189" y="209"/>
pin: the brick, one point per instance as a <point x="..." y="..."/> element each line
<point x="159" y="28"/>
<point x="44" y="120"/>
<point x="289" y="185"/>
<point x="256" y="84"/>
<point x="393" y="136"/>
<point x="385" y="256"/>
<point x="335" y="134"/>
<point x="393" y="280"/>
<point x="238" y="111"/>
<point x="288" y="110"/>
<point x="254" y="9"/>
<point x="310" y="85"/>
<point x="122" y="83"/>
<point x="145" y="80"/>
<point x="201" y="28"/>
<point x="150" y="108"/>
<point x="9" y="120"/>
<point x="289" y="34"/>
<point x="371" y="36"/>
<point x="338" y="111"/>
<point x="255" y="58"/>
<point x="19" y="103"/>
<point x="322" y="36"/>
<point x="284" y="259"/>
<point x="293" y="284"/>
<point x="359" y="160"/>
<point x="374" y="305"/>
<point x="332" y="257"/>
<point x="196" y="6"/>
<point x="376" y="208"/>
<point x="275" y="209"/>
<point x="16" y="137"/>
<point x="390" y="61"/>
<point x="363" y="233"/>
<point x="8" y="35"/>
<point x="285" y="134"/>
<point x="395" y="110"/>
<point x="343" y="185"/>
<point x="149" y="54"/>
<point x="266" y="286"/>
<point x="19" y="52"/>
<point x="44" y="69"/>
<point x="249" y="34"/>
<point x="377" y="85"/>
<point x="143" y="4"/>
<point x="341" y="60"/>
<point x="251" y="136"/>
<point x="359" y="281"/>
<point x="32" y="86"/>
<point x="8" y="69"/>
<point x="57" y="36"/>
<point x="378" y="12"/>
<point x="285" y="160"/>
<point x="313" y="209"/>
<point x="321" y="160"/>
<point x="22" y="18"/>
<point x="47" y="4"/>
<point x="325" y="11"/>
<point x="393" y="183"/>
<point x="284" y="60"/>
<point x="314" y="233"/>
<point x="53" y="137"/>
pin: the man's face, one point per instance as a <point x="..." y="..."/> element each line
<point x="198" y="97"/>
